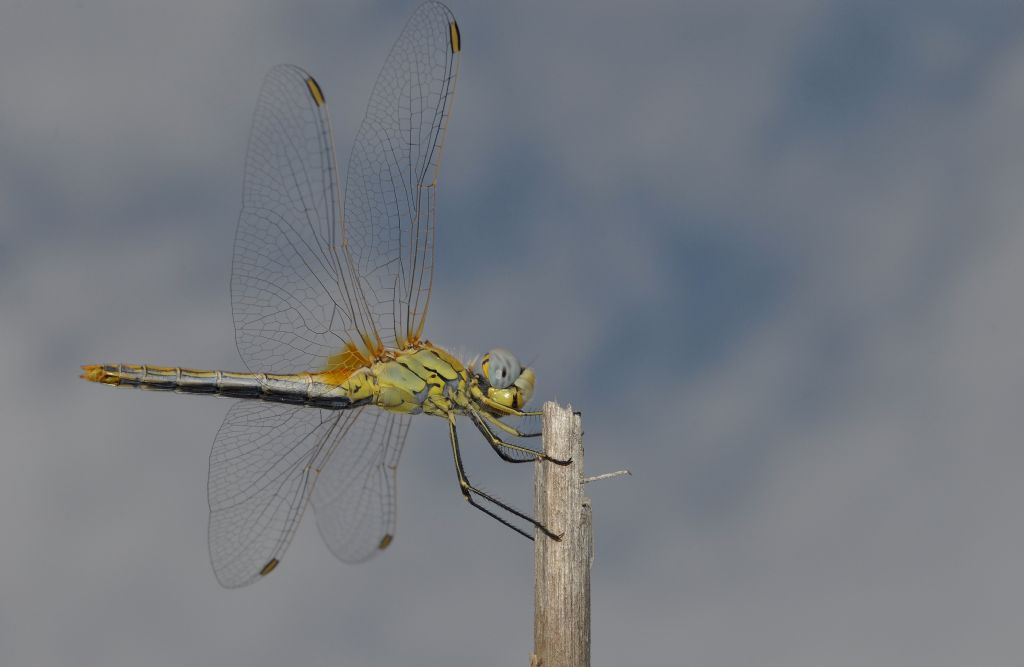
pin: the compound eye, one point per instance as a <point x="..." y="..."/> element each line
<point x="501" y="368"/>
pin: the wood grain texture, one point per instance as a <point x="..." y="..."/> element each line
<point x="561" y="634"/>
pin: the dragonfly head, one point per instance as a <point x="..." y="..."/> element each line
<point x="507" y="383"/>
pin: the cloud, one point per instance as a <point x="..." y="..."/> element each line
<point x="772" y="254"/>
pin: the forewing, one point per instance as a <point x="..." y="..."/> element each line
<point x="391" y="187"/>
<point x="355" y="495"/>
<point x="288" y="285"/>
<point x="262" y="471"/>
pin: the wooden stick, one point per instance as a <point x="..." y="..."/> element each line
<point x="561" y="625"/>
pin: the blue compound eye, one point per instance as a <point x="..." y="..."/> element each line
<point x="501" y="368"/>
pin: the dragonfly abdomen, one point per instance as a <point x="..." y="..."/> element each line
<point x="298" y="388"/>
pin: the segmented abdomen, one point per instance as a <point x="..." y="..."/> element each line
<point x="299" y="388"/>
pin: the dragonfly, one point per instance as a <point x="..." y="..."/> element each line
<point x="329" y="299"/>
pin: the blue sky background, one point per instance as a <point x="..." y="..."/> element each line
<point x="773" y="251"/>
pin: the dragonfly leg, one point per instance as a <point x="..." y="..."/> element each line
<point x="499" y="445"/>
<point x="508" y="428"/>
<point x="468" y="491"/>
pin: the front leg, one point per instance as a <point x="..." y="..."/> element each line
<point x="499" y="445"/>
<point x="508" y="428"/>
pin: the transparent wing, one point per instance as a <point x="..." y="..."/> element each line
<point x="289" y="297"/>
<point x="391" y="186"/>
<point x="355" y="495"/>
<point x="262" y="469"/>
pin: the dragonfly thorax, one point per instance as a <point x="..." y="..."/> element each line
<point x="432" y="381"/>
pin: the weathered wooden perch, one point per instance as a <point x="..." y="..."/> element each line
<point x="561" y="625"/>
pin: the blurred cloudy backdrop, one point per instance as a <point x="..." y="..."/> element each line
<point x="773" y="251"/>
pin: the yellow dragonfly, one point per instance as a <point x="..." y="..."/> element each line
<point x="329" y="301"/>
